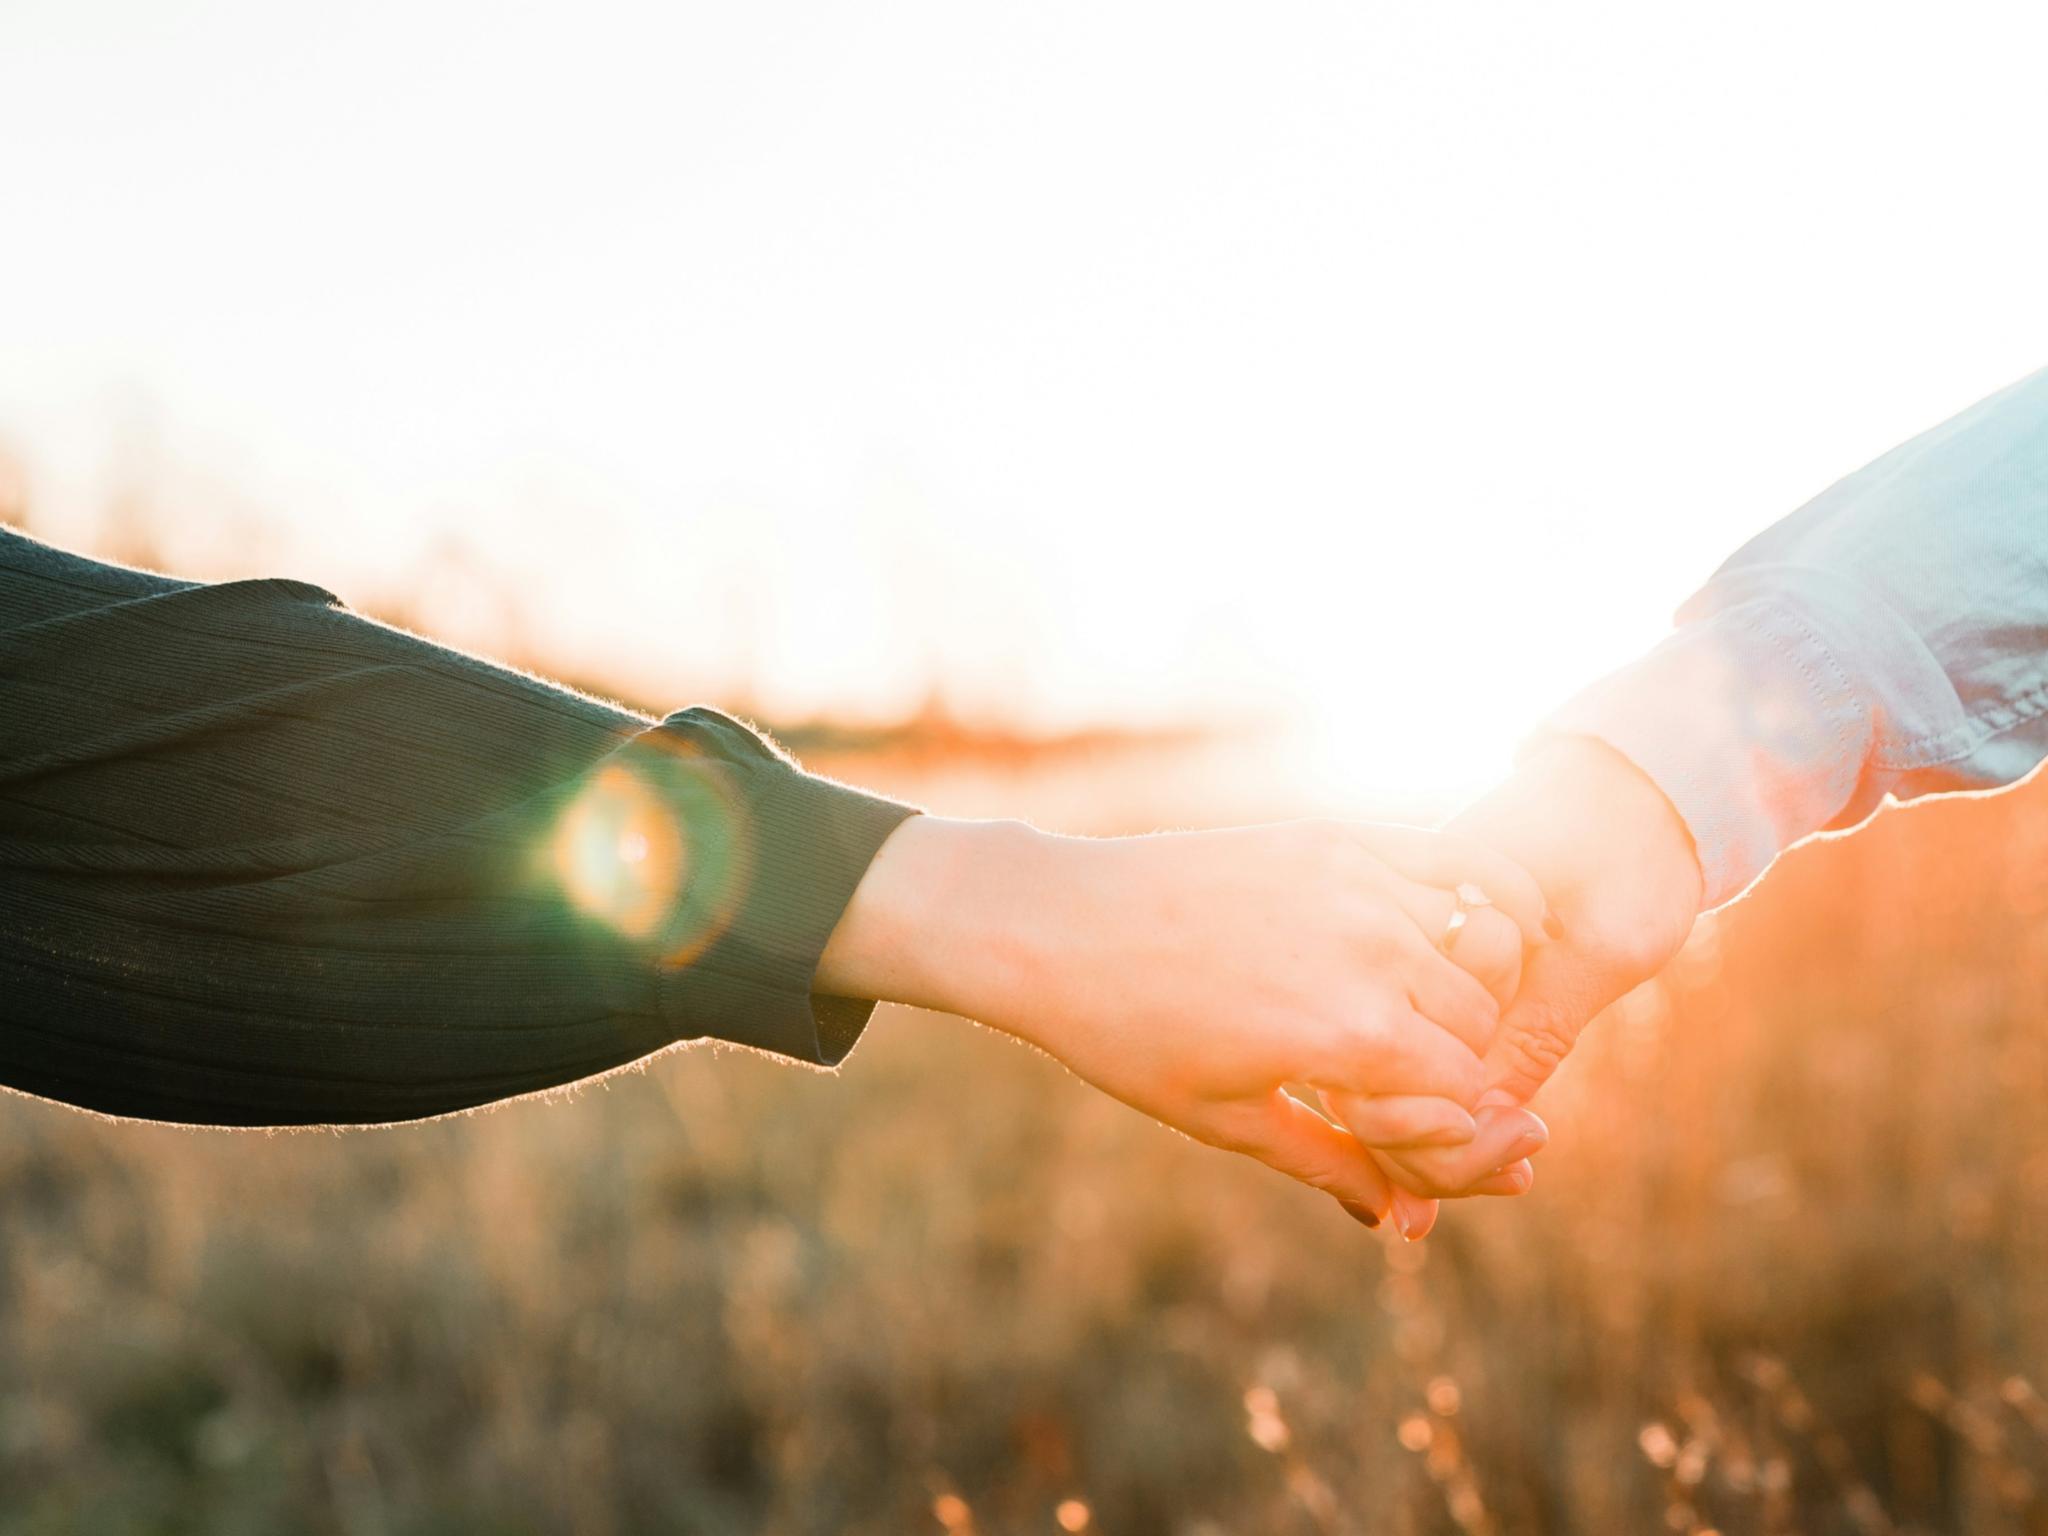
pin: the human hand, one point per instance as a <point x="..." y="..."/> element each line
<point x="1617" y="866"/>
<point x="1497" y="1159"/>
<point x="1196" y="975"/>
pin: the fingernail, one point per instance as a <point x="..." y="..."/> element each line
<point x="1520" y="1174"/>
<point x="1365" y="1215"/>
<point x="1528" y="1145"/>
<point x="1497" y="1098"/>
<point x="1551" y="925"/>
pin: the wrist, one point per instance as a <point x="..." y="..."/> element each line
<point x="1620" y="812"/>
<point x="945" y="918"/>
<point x="1611" y="853"/>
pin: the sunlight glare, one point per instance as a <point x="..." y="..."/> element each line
<point x="619" y="854"/>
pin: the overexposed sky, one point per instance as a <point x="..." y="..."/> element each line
<point x="1400" y="365"/>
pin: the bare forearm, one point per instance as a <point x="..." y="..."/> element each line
<point x="1193" y="975"/>
<point x="950" y="916"/>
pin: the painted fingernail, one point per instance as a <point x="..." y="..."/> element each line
<point x="1365" y="1215"/>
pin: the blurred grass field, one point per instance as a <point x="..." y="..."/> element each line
<point x="1785" y="1269"/>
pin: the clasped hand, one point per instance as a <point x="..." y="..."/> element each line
<point x="1278" y="991"/>
<point x="1283" y="991"/>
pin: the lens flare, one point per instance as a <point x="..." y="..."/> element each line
<point x="656" y="847"/>
<point x="620" y="854"/>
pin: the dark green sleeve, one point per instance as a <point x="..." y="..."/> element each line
<point x="266" y="862"/>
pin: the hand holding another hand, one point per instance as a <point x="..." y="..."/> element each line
<point x="1196" y="976"/>
<point x="1617" y="866"/>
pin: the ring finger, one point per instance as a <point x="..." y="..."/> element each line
<point x="1487" y="946"/>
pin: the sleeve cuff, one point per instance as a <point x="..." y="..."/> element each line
<point x="1748" y="724"/>
<point x="771" y="856"/>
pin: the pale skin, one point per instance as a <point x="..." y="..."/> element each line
<point x="1619" y="871"/>
<point x="1201" y="977"/>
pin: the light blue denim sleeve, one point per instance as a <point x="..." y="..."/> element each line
<point x="1887" y="640"/>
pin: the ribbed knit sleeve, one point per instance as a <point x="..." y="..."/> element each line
<point x="266" y="862"/>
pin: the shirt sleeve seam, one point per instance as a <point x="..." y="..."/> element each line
<point x="1950" y="746"/>
<point x="1840" y="727"/>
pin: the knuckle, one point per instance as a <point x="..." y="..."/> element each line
<point x="1372" y="1026"/>
<point x="1541" y="1045"/>
<point x="1380" y="941"/>
<point x="1496" y="932"/>
<point x="1387" y="914"/>
<point x="1550" y="1037"/>
<point x="1324" y="1046"/>
<point x="1355" y="908"/>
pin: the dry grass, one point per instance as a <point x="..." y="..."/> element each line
<point x="1786" y="1271"/>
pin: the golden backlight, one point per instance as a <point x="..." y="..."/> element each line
<point x="1081" y="365"/>
<point x="1020" y="392"/>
